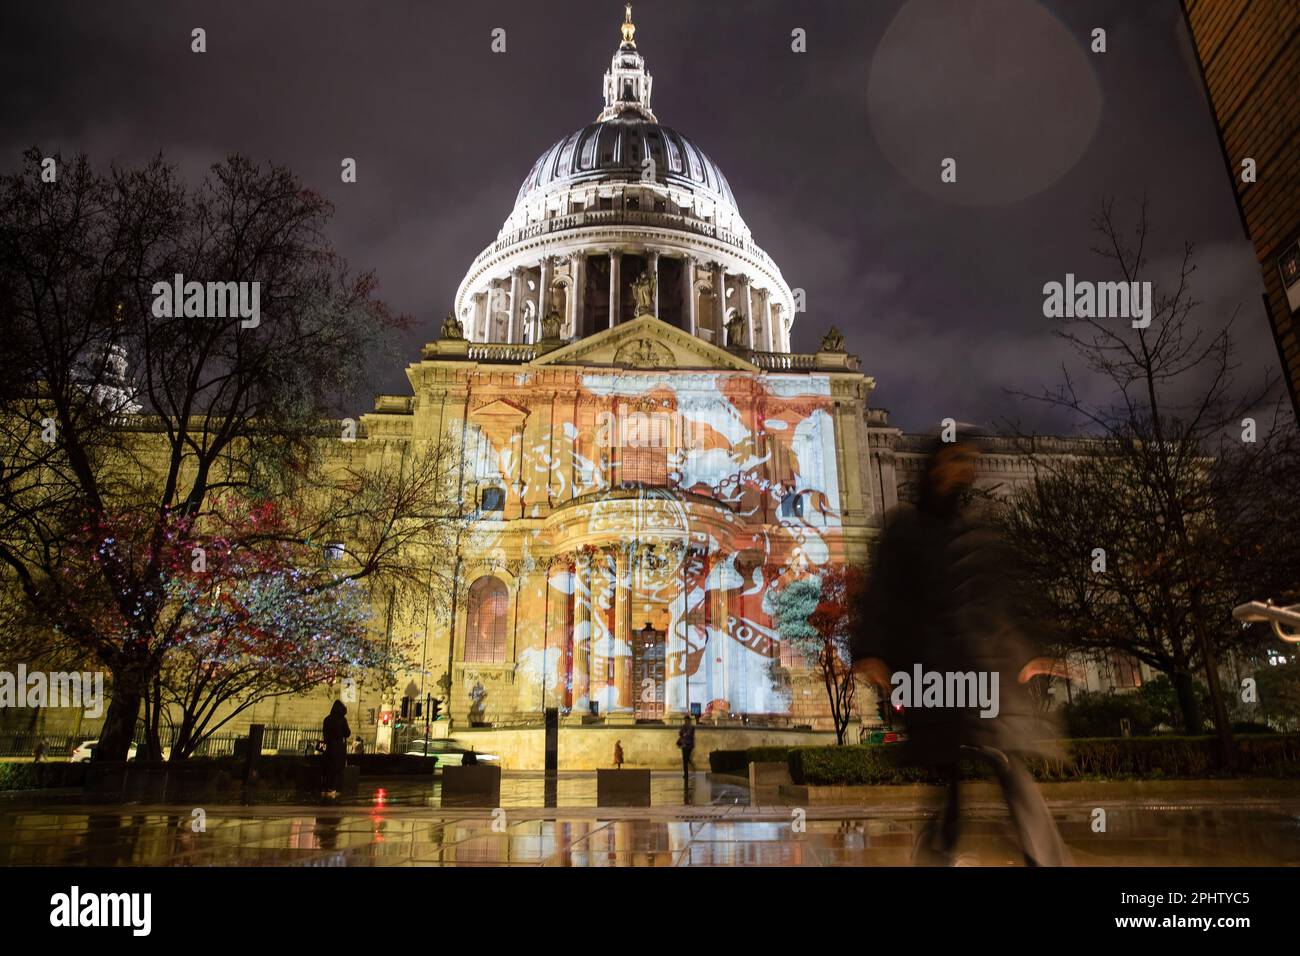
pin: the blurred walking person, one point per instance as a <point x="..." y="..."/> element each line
<point x="941" y="599"/>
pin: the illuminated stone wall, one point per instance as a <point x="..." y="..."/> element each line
<point x="640" y="495"/>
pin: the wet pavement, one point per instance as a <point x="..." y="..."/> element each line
<point x="401" y="823"/>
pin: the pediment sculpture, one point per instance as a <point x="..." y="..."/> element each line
<point x="644" y="353"/>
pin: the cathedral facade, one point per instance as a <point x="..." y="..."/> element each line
<point x="646" y="462"/>
<point x="645" y="459"/>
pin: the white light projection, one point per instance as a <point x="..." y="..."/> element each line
<point x="664" y="507"/>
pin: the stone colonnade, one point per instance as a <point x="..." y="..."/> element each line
<point x="512" y="307"/>
<point x="593" y="626"/>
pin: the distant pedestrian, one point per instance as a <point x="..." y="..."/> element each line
<point x="686" y="741"/>
<point x="336" y="732"/>
<point x="618" y="755"/>
<point x="358" y="747"/>
<point x="38" y="752"/>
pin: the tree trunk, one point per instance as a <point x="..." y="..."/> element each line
<point x="1186" y="691"/>
<point x="119" y="722"/>
<point x="1222" y="729"/>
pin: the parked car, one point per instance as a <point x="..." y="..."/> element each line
<point x="86" y="749"/>
<point x="446" y="751"/>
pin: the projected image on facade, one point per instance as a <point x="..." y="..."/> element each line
<point x="665" y="508"/>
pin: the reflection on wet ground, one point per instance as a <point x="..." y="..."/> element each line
<point x="401" y="823"/>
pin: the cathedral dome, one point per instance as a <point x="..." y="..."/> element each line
<point x="616" y="150"/>
<point x="621" y="201"/>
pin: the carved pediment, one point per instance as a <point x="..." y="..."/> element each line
<point x="498" y="420"/>
<point x="645" y="343"/>
<point x="644" y="353"/>
<point x="500" y="410"/>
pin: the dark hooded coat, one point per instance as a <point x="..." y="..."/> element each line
<point x="336" y="732"/>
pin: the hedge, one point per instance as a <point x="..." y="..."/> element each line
<point x="272" y="771"/>
<point x="1085" y="758"/>
<point x="41" y="776"/>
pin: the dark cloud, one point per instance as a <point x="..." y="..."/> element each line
<point x="940" y="297"/>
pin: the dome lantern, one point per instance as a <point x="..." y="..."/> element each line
<point x="627" y="83"/>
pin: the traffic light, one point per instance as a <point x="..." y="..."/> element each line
<point x="435" y="705"/>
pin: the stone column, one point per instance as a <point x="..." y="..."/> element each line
<point x="581" y="631"/>
<point x="621" y="697"/>
<point x="489" y="302"/>
<point x="654" y="274"/>
<point x="578" y="312"/>
<point x="676" y="645"/>
<point x="479" y="331"/>
<point x="598" y="652"/>
<point x="765" y="310"/>
<point x="681" y="635"/>
<point x="615" y="263"/>
<point x="719" y="305"/>
<point x="732" y="605"/>
<point x="746" y="305"/>
<point x="688" y="285"/>
<point x="543" y="295"/>
<point x="616" y="445"/>
<point x="557" y="599"/>
<point x="513" y="333"/>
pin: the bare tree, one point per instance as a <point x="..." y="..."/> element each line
<point x="296" y="587"/>
<point x="120" y="413"/>
<point x="1147" y="496"/>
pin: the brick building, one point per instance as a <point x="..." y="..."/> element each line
<point x="1249" y="54"/>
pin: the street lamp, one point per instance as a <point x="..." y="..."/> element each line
<point x="1285" y="621"/>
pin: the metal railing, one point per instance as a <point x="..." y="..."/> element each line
<point x="59" y="746"/>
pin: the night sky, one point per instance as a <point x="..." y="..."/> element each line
<point x="833" y="154"/>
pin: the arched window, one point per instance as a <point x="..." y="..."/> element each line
<point x="494" y="498"/>
<point x="485" y="631"/>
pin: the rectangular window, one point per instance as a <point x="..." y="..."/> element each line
<point x="645" y="465"/>
<point x="1126" y="671"/>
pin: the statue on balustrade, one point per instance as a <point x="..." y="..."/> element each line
<point x="551" y="326"/>
<point x="452" y="327"/>
<point x="736" y="331"/>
